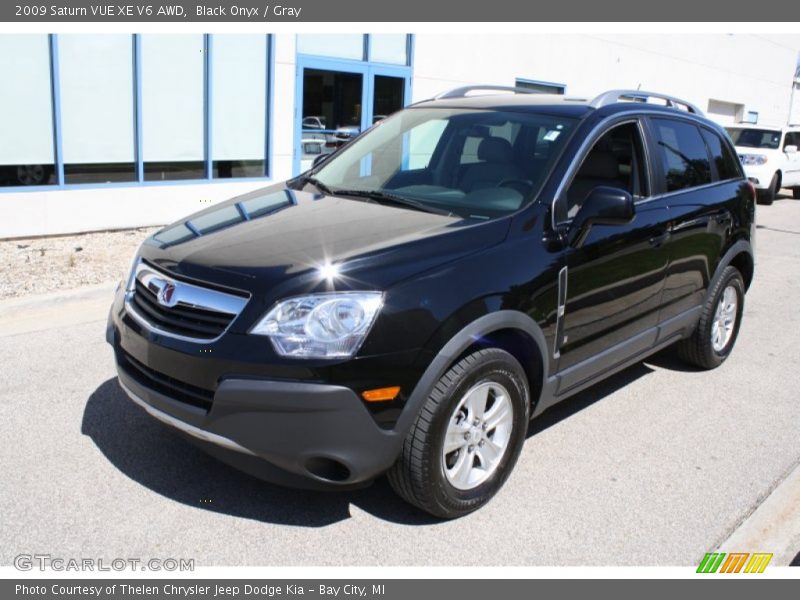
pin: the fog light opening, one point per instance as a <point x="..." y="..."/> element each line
<point x="327" y="468"/>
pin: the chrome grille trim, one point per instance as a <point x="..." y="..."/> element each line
<point x="183" y="296"/>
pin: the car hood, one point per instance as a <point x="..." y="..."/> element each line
<point x="750" y="150"/>
<point x="272" y="242"/>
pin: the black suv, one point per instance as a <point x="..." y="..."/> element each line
<point x="408" y="304"/>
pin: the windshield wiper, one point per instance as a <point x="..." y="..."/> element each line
<point x="381" y="196"/>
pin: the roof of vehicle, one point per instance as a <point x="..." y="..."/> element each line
<point x="522" y="100"/>
<point x="765" y="126"/>
<point x="569" y="106"/>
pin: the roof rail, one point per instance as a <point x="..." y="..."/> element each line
<point x="614" y="96"/>
<point x="461" y="92"/>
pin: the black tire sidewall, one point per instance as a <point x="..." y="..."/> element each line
<point x="768" y="195"/>
<point x="774" y="188"/>
<point x="499" y="367"/>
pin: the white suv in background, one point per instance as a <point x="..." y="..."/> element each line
<point x="770" y="158"/>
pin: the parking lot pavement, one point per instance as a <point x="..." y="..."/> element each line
<point x="656" y="466"/>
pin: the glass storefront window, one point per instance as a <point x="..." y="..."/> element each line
<point x="238" y="100"/>
<point x="173" y="107"/>
<point x="97" y="107"/>
<point x="391" y="48"/>
<point x="335" y="45"/>
<point x="27" y="154"/>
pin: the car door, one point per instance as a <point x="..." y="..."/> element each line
<point x="701" y="180"/>
<point x="611" y="285"/>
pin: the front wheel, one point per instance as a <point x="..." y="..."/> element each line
<point x="713" y="339"/>
<point x="467" y="437"/>
<point x="796" y="193"/>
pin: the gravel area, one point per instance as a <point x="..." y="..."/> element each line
<point x="41" y="265"/>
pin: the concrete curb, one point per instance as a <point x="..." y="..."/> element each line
<point x="774" y="526"/>
<point x="56" y="309"/>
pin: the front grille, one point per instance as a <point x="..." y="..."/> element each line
<point x="183" y="320"/>
<point x="164" y="384"/>
<point x="187" y="310"/>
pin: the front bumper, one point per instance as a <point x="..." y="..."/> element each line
<point x="309" y="434"/>
<point x="760" y="175"/>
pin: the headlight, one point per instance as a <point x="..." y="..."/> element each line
<point x="753" y="159"/>
<point x="320" y="325"/>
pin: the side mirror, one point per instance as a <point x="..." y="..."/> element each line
<point x="790" y="149"/>
<point x="603" y="206"/>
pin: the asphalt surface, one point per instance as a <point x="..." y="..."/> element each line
<point x="656" y="466"/>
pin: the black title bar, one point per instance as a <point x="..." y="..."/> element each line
<point x="398" y="11"/>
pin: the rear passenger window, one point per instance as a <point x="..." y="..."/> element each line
<point x="727" y="165"/>
<point x="683" y="154"/>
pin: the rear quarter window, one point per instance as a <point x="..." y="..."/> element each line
<point x="727" y="165"/>
<point x="682" y="153"/>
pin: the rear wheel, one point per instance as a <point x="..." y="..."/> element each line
<point x="466" y="438"/>
<point x="768" y="196"/>
<point x="713" y="339"/>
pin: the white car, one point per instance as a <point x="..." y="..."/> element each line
<point x="311" y="149"/>
<point x="314" y="122"/>
<point x="770" y="158"/>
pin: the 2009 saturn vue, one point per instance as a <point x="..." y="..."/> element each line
<point x="408" y="304"/>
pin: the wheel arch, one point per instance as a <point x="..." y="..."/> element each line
<point x="743" y="261"/>
<point x="739" y="255"/>
<point x="510" y="330"/>
<point x="522" y="346"/>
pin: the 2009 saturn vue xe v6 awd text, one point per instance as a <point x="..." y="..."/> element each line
<point x="409" y="303"/>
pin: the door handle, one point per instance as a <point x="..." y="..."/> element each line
<point x="660" y="239"/>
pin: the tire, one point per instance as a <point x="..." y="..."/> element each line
<point x="430" y="479"/>
<point x="702" y="348"/>
<point x="768" y="196"/>
<point x="32" y="175"/>
<point x="796" y="193"/>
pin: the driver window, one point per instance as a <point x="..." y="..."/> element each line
<point x="615" y="160"/>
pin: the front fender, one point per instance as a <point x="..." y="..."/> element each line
<point x="461" y="341"/>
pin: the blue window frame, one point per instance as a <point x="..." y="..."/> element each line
<point x="368" y="71"/>
<point x="139" y="179"/>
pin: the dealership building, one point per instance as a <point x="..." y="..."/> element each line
<point x="114" y="131"/>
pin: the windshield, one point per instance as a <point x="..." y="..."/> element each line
<point x="755" y="138"/>
<point x="473" y="163"/>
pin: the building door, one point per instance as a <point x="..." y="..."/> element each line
<point x="388" y="95"/>
<point x="337" y="100"/>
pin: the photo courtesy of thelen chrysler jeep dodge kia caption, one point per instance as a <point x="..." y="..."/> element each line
<point x="170" y="10"/>
<point x="188" y="591"/>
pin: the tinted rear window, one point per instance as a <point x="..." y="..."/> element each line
<point x="683" y="154"/>
<point x="727" y="164"/>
